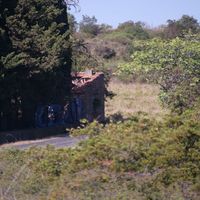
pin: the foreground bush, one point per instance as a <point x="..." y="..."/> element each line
<point x="135" y="159"/>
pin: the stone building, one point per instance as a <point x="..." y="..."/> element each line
<point x="88" y="93"/>
<point x="87" y="102"/>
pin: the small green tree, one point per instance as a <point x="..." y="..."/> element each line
<point x="89" y="26"/>
<point x="178" y="28"/>
<point x="135" y="30"/>
<point x="175" y="65"/>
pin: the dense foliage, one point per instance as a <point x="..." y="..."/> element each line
<point x="138" y="157"/>
<point x="178" y="28"/>
<point x="89" y="26"/>
<point x="133" y="158"/>
<point x="35" y="58"/>
<point x="108" y="46"/>
<point x="173" y="64"/>
<point x="135" y="30"/>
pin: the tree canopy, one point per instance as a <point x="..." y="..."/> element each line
<point x="174" y="64"/>
<point x="35" y="58"/>
<point x="135" y="30"/>
<point x="89" y="26"/>
<point x="177" y="28"/>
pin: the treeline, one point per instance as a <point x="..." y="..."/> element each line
<point x="35" y="58"/>
<point x="89" y="27"/>
<point x="108" y="46"/>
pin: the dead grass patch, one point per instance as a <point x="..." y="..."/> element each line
<point x="134" y="97"/>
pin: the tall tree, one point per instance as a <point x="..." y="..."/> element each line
<point x="89" y="26"/>
<point x="177" y="28"/>
<point x="36" y="68"/>
<point x="134" y="30"/>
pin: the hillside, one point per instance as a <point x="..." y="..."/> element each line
<point x="147" y="148"/>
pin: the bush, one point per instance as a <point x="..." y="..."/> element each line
<point x="105" y="52"/>
<point x="173" y="64"/>
<point x="138" y="157"/>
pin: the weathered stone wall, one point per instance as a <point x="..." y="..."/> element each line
<point x="87" y="103"/>
<point x="91" y="94"/>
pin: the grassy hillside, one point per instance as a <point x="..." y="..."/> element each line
<point x="142" y="151"/>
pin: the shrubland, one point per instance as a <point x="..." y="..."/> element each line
<point x="167" y="55"/>
<point x="135" y="158"/>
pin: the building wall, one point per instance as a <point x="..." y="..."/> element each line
<point x="92" y="97"/>
<point x="87" y="103"/>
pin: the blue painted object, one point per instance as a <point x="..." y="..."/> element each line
<point x="55" y="114"/>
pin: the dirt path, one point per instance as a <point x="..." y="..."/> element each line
<point x="59" y="142"/>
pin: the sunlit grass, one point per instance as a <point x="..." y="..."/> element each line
<point x="131" y="98"/>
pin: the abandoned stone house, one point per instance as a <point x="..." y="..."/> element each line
<point x="87" y="102"/>
<point x="88" y="93"/>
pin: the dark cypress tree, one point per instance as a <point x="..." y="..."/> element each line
<point x="36" y="63"/>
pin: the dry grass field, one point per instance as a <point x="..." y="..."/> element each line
<point x="131" y="98"/>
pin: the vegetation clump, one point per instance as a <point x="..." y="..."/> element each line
<point x="148" y="158"/>
<point x="173" y="64"/>
<point x="35" y="58"/>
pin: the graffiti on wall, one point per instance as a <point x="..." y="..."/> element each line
<point x="55" y="114"/>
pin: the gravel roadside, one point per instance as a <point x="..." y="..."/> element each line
<point x="62" y="141"/>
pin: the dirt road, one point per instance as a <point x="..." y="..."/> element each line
<point x="58" y="141"/>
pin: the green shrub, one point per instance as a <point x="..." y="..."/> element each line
<point x="173" y="64"/>
<point x="138" y="157"/>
